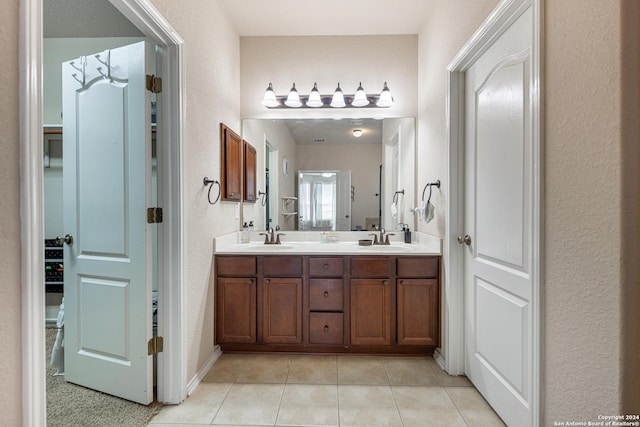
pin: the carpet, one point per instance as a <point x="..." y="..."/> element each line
<point x="70" y="405"/>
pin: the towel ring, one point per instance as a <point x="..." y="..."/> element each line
<point x="430" y="185"/>
<point x="206" y="181"/>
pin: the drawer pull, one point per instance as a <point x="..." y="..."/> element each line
<point x="326" y="328"/>
<point x="326" y="294"/>
<point x="326" y="266"/>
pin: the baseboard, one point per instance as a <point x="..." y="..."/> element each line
<point x="203" y="371"/>
<point x="439" y="358"/>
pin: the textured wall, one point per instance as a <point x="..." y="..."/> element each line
<point x="583" y="284"/>
<point x="212" y="85"/>
<point x="10" y="302"/>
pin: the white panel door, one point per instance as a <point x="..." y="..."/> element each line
<point x="498" y="284"/>
<point x="343" y="202"/>
<point x="106" y="184"/>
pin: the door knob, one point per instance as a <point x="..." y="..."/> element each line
<point x="68" y="239"/>
<point x="466" y="239"/>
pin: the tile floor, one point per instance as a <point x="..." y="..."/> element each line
<point x="305" y="390"/>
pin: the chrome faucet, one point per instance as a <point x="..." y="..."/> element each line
<point x="384" y="238"/>
<point x="270" y="238"/>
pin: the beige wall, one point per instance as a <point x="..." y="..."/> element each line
<point x="212" y="84"/>
<point x="10" y="303"/>
<point x="327" y="61"/>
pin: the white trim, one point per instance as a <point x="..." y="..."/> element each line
<point x="203" y="371"/>
<point x="31" y="212"/>
<point x="172" y="363"/>
<point x="453" y="319"/>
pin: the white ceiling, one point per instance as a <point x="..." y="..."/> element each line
<point x="335" y="131"/>
<point x="326" y="17"/>
<point x="98" y="18"/>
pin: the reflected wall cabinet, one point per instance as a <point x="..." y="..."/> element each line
<point x="250" y="170"/>
<point x="230" y="164"/>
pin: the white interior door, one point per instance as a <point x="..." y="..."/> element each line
<point x="106" y="189"/>
<point x="343" y="201"/>
<point x="498" y="284"/>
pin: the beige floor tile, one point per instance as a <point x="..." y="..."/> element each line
<point x="201" y="407"/>
<point x="152" y="424"/>
<point x="250" y="404"/>
<point x="426" y="407"/>
<point x="265" y="368"/>
<point x="447" y="380"/>
<point x="309" y="405"/>
<point x="475" y="410"/>
<point x="361" y="370"/>
<point x="367" y="406"/>
<point x="226" y="368"/>
<point x="313" y="370"/>
<point x="410" y="371"/>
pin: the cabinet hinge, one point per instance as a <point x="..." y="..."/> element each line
<point x="155" y="345"/>
<point x="154" y="84"/>
<point x="154" y="215"/>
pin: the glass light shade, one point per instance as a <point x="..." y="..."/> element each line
<point x="357" y="133"/>
<point x="314" y="100"/>
<point x="385" y="100"/>
<point x="338" y="98"/>
<point x="293" y="100"/>
<point x="269" y="99"/>
<point x="360" y="100"/>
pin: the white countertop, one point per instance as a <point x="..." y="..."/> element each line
<point x="308" y="243"/>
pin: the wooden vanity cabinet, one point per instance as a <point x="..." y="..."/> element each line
<point x="418" y="301"/>
<point x="282" y="300"/>
<point x="236" y="300"/>
<point x="335" y="304"/>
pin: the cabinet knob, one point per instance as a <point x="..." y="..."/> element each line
<point x="326" y="328"/>
<point x="250" y="281"/>
<point x="402" y="282"/>
<point x="326" y="266"/>
<point x="385" y="282"/>
<point x="267" y="281"/>
<point x="326" y="294"/>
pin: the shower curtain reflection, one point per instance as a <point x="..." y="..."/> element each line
<point x="317" y="200"/>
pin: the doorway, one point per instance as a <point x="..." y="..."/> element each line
<point x="172" y="375"/>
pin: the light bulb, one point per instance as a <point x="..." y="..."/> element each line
<point x="293" y="100"/>
<point x="314" y="100"/>
<point x="269" y="99"/>
<point x="338" y="98"/>
<point x="360" y="100"/>
<point x="386" y="100"/>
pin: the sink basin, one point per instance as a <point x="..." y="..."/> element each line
<point x="274" y="248"/>
<point x="385" y="248"/>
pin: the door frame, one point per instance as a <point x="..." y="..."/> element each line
<point x="451" y="355"/>
<point x="171" y="381"/>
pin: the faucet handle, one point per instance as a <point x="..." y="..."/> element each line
<point x="375" y="238"/>
<point x="386" y="241"/>
<point x="266" y="238"/>
<point x="278" y="238"/>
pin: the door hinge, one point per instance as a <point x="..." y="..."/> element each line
<point x="154" y="84"/>
<point x="155" y="345"/>
<point x="154" y="215"/>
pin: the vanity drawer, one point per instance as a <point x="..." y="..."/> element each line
<point x="236" y="265"/>
<point x="326" y="266"/>
<point x="326" y="328"/>
<point x="282" y="265"/>
<point x="326" y="294"/>
<point x="370" y="266"/>
<point x="418" y="267"/>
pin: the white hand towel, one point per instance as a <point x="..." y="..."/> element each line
<point x="394" y="210"/>
<point x="429" y="212"/>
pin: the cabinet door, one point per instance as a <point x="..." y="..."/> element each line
<point x="370" y="317"/>
<point x="250" y="167"/>
<point x="230" y="164"/>
<point x="418" y="312"/>
<point x="236" y="310"/>
<point x="282" y="310"/>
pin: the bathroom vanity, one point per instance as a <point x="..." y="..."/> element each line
<point x="328" y="298"/>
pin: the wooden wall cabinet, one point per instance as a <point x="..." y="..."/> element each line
<point x="250" y="173"/>
<point x="230" y="164"/>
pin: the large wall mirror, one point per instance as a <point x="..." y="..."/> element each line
<point x="348" y="174"/>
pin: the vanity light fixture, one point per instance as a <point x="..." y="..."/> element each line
<point x="269" y="99"/>
<point x="337" y="100"/>
<point x="357" y="133"/>
<point x="360" y="100"/>
<point x="314" y="100"/>
<point x="293" y="100"/>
